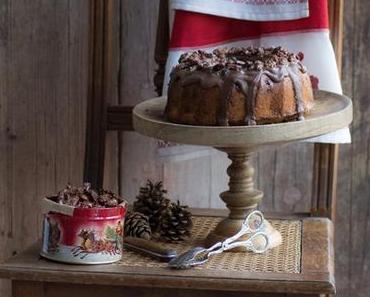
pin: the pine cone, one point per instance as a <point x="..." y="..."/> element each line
<point x="176" y="223"/>
<point x="152" y="202"/>
<point x="137" y="225"/>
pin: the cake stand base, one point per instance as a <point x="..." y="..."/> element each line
<point x="240" y="199"/>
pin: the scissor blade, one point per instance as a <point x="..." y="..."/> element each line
<point x="188" y="259"/>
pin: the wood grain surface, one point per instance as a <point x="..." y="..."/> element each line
<point x="43" y="85"/>
<point x="32" y="289"/>
<point x="353" y="209"/>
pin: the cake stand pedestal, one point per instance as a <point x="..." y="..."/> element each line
<point x="331" y="112"/>
<point x="241" y="197"/>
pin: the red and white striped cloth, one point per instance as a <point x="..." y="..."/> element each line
<point x="298" y="25"/>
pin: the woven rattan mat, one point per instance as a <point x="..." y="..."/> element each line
<point x="285" y="258"/>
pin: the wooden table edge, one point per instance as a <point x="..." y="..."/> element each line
<point x="178" y="282"/>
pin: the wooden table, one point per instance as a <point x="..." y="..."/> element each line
<point x="33" y="276"/>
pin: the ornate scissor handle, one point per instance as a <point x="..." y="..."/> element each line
<point x="245" y="229"/>
<point x="250" y="245"/>
<point x="249" y="220"/>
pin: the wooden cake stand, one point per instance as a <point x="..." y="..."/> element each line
<point x="331" y="112"/>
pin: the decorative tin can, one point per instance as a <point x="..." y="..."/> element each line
<point x="82" y="235"/>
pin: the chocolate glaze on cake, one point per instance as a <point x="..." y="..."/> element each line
<point x="241" y="69"/>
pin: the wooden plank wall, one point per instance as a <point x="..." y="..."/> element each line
<point x="43" y="83"/>
<point x="43" y="76"/>
<point x="353" y="210"/>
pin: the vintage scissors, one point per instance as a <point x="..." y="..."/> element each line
<point x="253" y="225"/>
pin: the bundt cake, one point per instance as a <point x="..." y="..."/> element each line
<point x="239" y="86"/>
